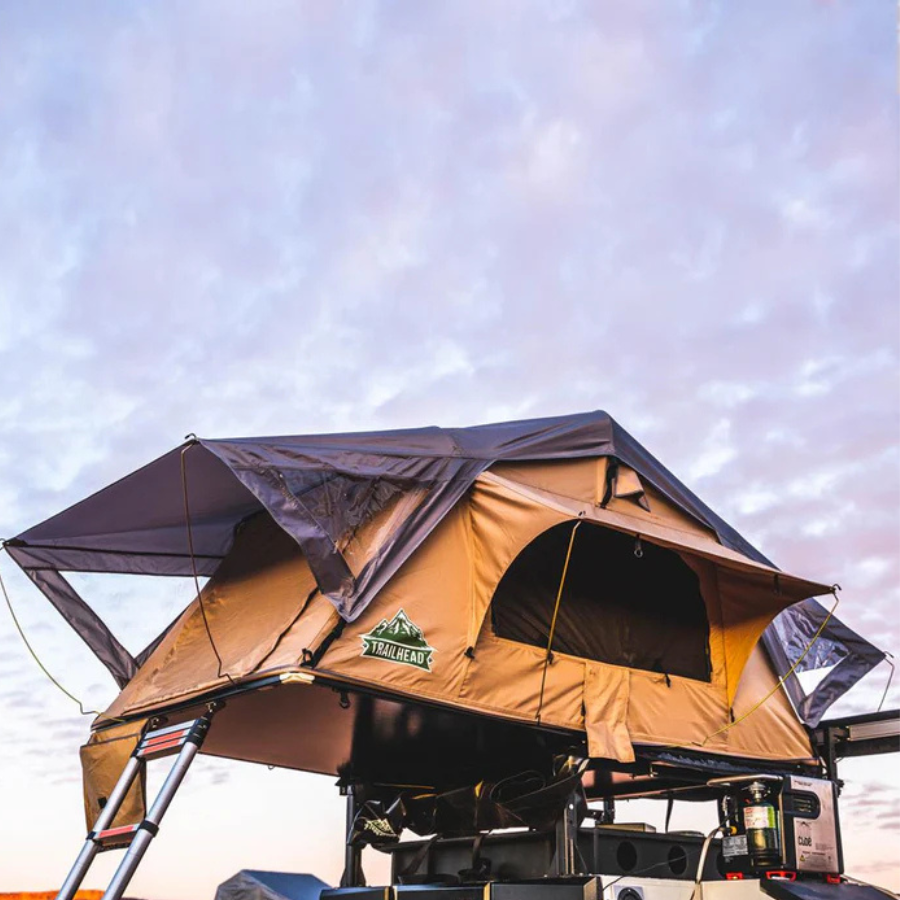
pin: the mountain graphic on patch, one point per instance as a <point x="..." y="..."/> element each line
<point x="399" y="641"/>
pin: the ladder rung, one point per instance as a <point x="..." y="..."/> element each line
<point x="157" y="748"/>
<point x="115" y="837"/>
<point x="159" y="732"/>
<point x="164" y="741"/>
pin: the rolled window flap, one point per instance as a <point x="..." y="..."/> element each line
<point x="606" y="692"/>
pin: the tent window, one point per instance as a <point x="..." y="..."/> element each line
<point x="643" y="612"/>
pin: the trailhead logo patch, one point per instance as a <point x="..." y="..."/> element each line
<point x="399" y="641"/>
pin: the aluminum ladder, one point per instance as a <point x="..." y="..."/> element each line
<point x="185" y="740"/>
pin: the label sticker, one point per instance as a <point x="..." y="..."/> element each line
<point x="399" y="641"/>
<point x="759" y="817"/>
<point x="815" y="839"/>
<point x="734" y="845"/>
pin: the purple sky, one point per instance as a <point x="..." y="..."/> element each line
<point x="234" y="218"/>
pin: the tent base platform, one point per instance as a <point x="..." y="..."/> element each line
<point x="331" y="726"/>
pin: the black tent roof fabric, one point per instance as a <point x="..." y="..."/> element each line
<point x="138" y="524"/>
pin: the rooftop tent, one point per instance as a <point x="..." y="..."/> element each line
<point x="519" y="571"/>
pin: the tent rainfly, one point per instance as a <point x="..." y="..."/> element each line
<point x="549" y="575"/>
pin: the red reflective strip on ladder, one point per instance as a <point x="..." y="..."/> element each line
<point x="121" y="831"/>
<point x="164" y="742"/>
<point x="150" y="740"/>
<point x="160" y="748"/>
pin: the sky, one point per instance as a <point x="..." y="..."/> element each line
<point x="234" y="218"/>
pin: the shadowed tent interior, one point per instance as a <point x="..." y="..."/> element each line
<point x="510" y="591"/>
<point x="645" y="612"/>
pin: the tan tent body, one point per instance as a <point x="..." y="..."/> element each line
<point x="265" y="617"/>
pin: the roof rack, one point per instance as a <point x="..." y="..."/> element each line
<point x="866" y="735"/>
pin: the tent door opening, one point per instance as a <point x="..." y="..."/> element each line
<point x="625" y="602"/>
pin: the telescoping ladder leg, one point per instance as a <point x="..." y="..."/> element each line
<point x="91" y="845"/>
<point x="189" y="743"/>
<point x="184" y="740"/>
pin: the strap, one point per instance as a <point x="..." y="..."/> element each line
<point x="559" y="593"/>
<point x="612" y="471"/>
<point x="481" y="866"/>
<point x="317" y="654"/>
<point x="418" y="858"/>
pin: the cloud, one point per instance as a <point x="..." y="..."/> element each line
<point x="299" y="218"/>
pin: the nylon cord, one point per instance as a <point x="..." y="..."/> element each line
<point x="562" y="582"/>
<point x="771" y="693"/>
<point x="42" y="667"/>
<point x="190" y="538"/>
<point x="783" y="678"/>
<point x="689" y="853"/>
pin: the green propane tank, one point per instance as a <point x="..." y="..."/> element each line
<point x="761" y="825"/>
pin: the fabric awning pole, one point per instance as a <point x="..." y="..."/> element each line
<point x="82" y="619"/>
